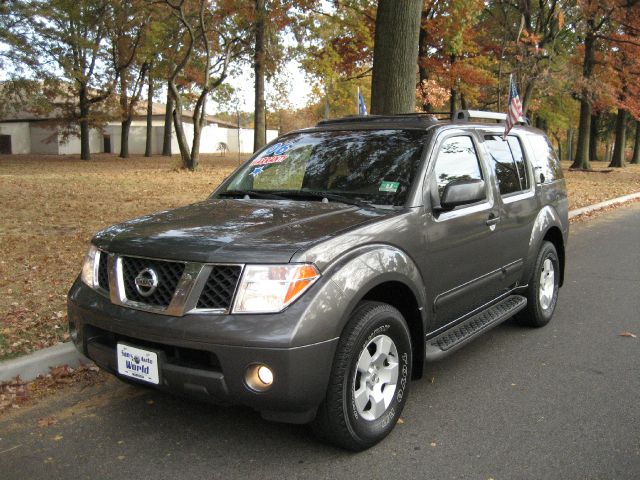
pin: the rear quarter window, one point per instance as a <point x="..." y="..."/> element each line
<point x="546" y="164"/>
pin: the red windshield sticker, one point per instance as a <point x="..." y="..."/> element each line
<point x="270" y="160"/>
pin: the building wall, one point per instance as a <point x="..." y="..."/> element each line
<point x="72" y="144"/>
<point x="137" y="137"/>
<point x="20" y="136"/>
<point x="245" y="139"/>
<point x="43" y="140"/>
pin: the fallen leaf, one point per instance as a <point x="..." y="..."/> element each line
<point x="433" y="444"/>
<point x="628" y="334"/>
<point x="57" y="438"/>
<point x="400" y="421"/>
<point x="47" y="421"/>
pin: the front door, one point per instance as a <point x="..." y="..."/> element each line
<point x="461" y="260"/>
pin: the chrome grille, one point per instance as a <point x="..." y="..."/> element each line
<point x="220" y="287"/>
<point x="169" y="274"/>
<point x="103" y="271"/>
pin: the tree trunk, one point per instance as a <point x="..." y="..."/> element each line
<point x="593" y="137"/>
<point x="393" y="86"/>
<point x="569" y="144"/>
<point x="259" y="124"/>
<point x="126" y="118"/>
<point x="453" y="101"/>
<point x="148" y="149"/>
<point x="617" y="161"/>
<point x="527" y="95"/>
<point x="125" y="127"/>
<point x="559" y="142"/>
<point x="168" y="118"/>
<point x="582" y="149"/>
<point x="636" y="146"/>
<point x="85" y="154"/>
<point x="423" y="73"/>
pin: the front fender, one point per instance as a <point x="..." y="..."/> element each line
<point x="362" y="269"/>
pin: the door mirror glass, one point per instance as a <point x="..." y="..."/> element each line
<point x="462" y="192"/>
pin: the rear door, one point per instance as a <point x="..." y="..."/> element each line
<point x="516" y="202"/>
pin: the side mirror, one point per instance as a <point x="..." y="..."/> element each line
<point x="462" y="192"/>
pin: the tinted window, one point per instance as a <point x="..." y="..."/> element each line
<point x="503" y="164"/>
<point x="457" y="160"/>
<point x="545" y="159"/>
<point x="374" y="166"/>
<point x="518" y="156"/>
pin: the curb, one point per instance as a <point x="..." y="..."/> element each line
<point x="28" y="367"/>
<point x="599" y="206"/>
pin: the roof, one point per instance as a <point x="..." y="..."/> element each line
<point x="21" y="93"/>
<point x="419" y="120"/>
<point x="159" y="109"/>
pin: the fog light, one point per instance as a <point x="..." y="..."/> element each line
<point x="265" y="375"/>
<point x="259" y="377"/>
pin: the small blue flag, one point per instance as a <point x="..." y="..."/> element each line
<point x="362" y="108"/>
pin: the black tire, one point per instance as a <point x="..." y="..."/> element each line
<point x="338" y="420"/>
<point x="536" y="314"/>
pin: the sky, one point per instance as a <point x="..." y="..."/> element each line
<point x="299" y="86"/>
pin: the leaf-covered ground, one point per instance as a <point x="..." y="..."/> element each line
<point x="51" y="206"/>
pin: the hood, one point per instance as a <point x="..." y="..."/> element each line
<point x="234" y="230"/>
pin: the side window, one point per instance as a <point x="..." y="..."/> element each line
<point x="505" y="164"/>
<point x="457" y="160"/>
<point x="518" y="156"/>
<point x="545" y="160"/>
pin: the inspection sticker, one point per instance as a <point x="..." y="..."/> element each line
<point x="389" y="186"/>
<point x="269" y="160"/>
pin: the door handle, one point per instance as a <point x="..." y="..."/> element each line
<point x="492" y="220"/>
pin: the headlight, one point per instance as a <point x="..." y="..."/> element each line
<point x="270" y="288"/>
<point x="89" y="273"/>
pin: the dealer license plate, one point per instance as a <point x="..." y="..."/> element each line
<point x="138" y="363"/>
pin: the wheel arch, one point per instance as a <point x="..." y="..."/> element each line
<point x="548" y="226"/>
<point x="386" y="274"/>
<point x="400" y="296"/>
<point x="554" y="235"/>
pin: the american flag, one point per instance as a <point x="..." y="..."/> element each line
<point x="514" y="111"/>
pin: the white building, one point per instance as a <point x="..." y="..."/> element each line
<point x="26" y="133"/>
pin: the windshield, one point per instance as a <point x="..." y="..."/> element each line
<point x="370" y="166"/>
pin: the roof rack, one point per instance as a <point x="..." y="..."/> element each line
<point x="473" y="115"/>
<point x="426" y="118"/>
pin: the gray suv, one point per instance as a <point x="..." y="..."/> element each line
<point x="318" y="278"/>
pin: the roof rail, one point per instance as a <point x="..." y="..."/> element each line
<point x="470" y="115"/>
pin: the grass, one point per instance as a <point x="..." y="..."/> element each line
<point x="51" y="206"/>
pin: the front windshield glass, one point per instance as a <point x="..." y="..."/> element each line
<point x="372" y="166"/>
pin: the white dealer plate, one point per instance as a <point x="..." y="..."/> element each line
<point x="137" y="363"/>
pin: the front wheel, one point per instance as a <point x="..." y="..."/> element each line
<point x="542" y="293"/>
<point x="369" y="380"/>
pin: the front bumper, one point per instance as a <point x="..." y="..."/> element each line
<point x="194" y="361"/>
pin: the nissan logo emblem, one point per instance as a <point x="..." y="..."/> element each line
<point x="146" y="282"/>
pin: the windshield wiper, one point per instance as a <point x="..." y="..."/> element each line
<point x="329" y="196"/>
<point x="252" y="193"/>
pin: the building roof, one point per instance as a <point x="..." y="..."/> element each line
<point x="22" y="111"/>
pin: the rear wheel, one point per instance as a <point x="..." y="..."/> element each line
<point x="369" y="380"/>
<point x="542" y="293"/>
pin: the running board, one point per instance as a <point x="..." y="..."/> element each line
<point x="454" y="338"/>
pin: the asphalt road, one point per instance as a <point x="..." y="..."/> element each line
<point x="554" y="403"/>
